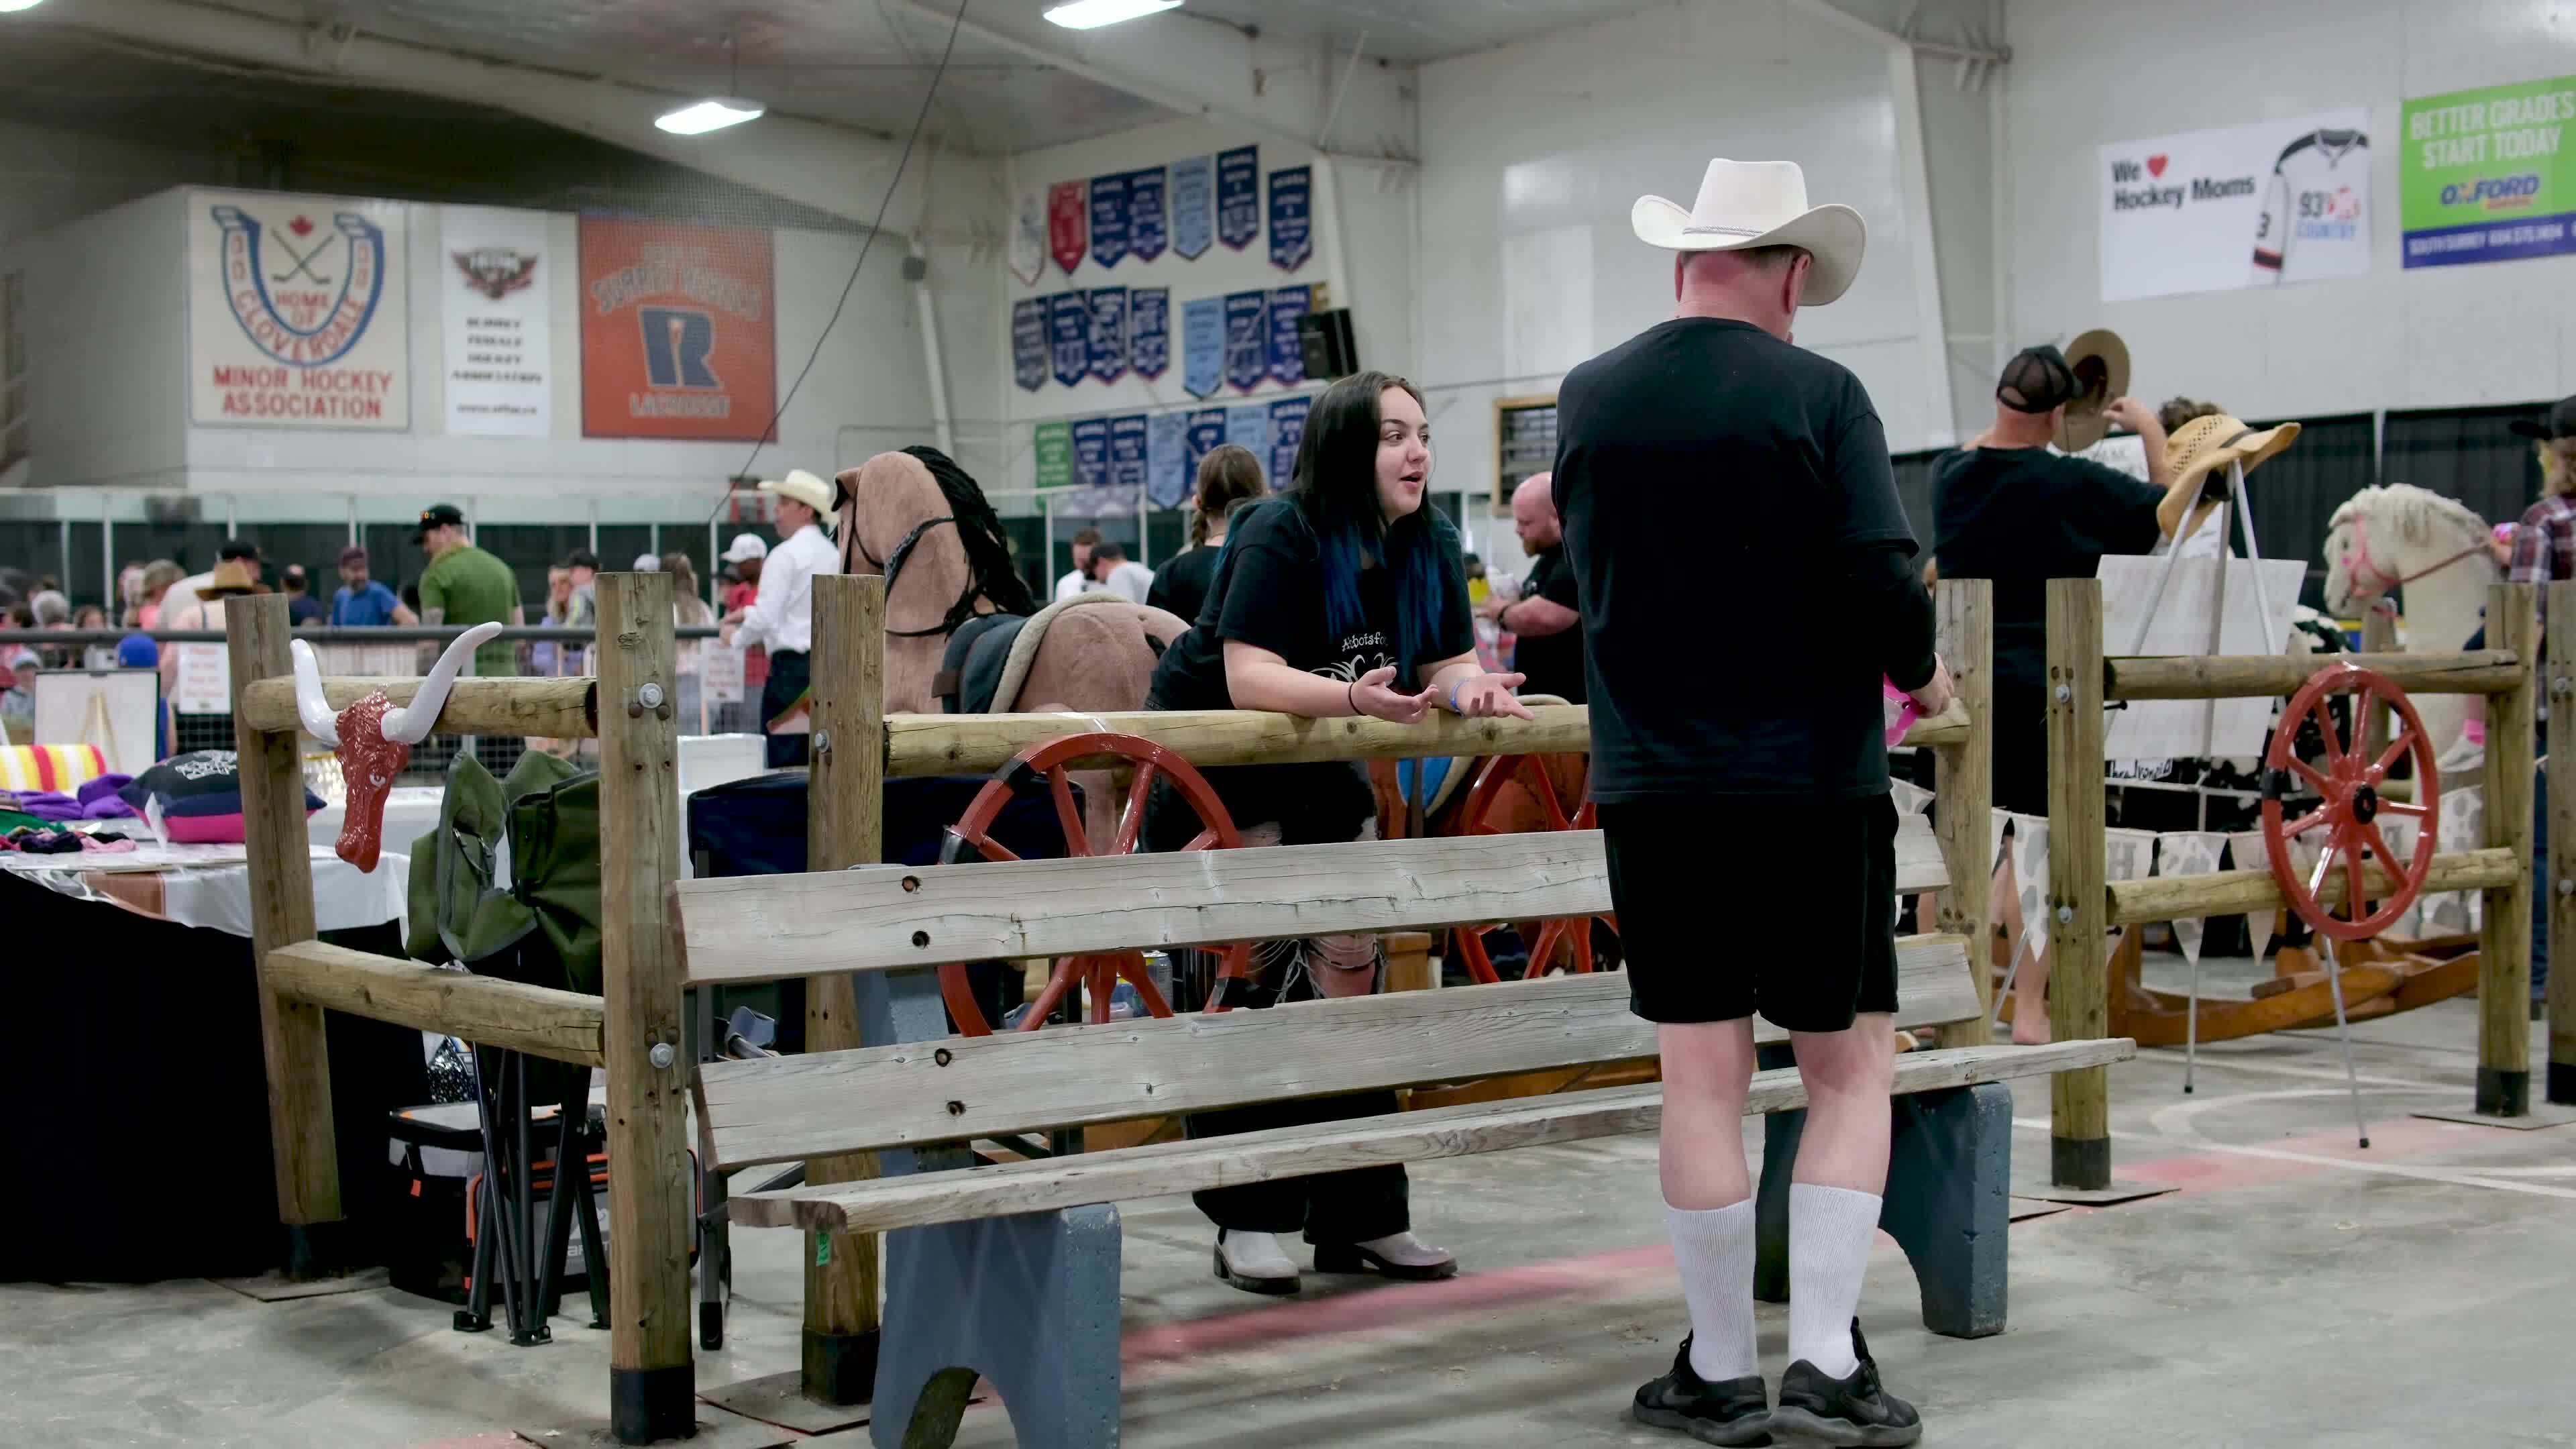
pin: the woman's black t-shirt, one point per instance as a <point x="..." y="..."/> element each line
<point x="1269" y="592"/>
<point x="1181" y="586"/>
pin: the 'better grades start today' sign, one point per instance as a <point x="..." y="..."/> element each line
<point x="2484" y="175"/>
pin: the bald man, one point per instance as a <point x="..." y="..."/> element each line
<point x="1550" y="652"/>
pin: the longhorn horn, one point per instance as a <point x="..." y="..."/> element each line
<point x="409" y="724"/>
<point x="311" y="705"/>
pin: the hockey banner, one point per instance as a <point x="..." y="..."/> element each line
<point x="1205" y="435"/>
<point x="1168" y="473"/>
<point x="1068" y="208"/>
<point x="2483" y="176"/>
<point x="297" y="312"/>
<point x="1292" y="217"/>
<point x="1069" y="335"/>
<point x="1247" y="339"/>
<point x="1287" y="430"/>
<point x="1129" y="439"/>
<point x="1287" y="353"/>
<point x="1029" y="343"/>
<point x="1108" y="219"/>
<point x="1193" y="206"/>
<point x="1108" y="337"/>
<point x="2240" y="206"/>
<point x="1149" y="330"/>
<point x="1148" y="224"/>
<point x="1203" y="345"/>
<point x="1238" y="196"/>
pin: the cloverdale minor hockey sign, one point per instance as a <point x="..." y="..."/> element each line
<point x="297" y="312"/>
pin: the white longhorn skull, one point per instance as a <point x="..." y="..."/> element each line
<point x="374" y="736"/>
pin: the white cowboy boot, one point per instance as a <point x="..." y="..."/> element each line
<point x="1399" y="1256"/>
<point x="1255" y="1263"/>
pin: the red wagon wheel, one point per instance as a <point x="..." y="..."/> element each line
<point x="1099" y="974"/>
<point x="1574" y="932"/>
<point x="2348" y="787"/>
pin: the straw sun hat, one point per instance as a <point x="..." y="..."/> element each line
<point x="2204" y="444"/>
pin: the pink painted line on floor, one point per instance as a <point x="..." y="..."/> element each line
<point x="498" y="1439"/>
<point x="2199" y="1171"/>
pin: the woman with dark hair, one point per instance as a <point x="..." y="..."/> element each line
<point x="1228" y="475"/>
<point x="1345" y="597"/>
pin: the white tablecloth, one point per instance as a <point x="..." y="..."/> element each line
<point x="209" y="885"/>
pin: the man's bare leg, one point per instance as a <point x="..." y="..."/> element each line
<point x="1708" y="1196"/>
<point x="1835" y="1186"/>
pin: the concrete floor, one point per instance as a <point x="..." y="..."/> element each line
<point x="2292" y="1289"/>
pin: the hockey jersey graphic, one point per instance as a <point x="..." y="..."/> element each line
<point x="2313" y="223"/>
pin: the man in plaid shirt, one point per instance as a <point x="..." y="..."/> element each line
<point x="2544" y="552"/>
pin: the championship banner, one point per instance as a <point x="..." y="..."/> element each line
<point x="1238" y="196"/>
<point x="2240" y="206"/>
<point x="1091" y="453"/>
<point x="1149" y="330"/>
<point x="1127" y="443"/>
<point x="297" y="313"/>
<point x="493" y="318"/>
<point x="1052" y="448"/>
<point x="1203" y="345"/>
<point x="1203" y="434"/>
<point x="1292" y="217"/>
<point x="677" y="335"/>
<point x="1248" y="427"/>
<point x="1287" y="355"/>
<point x="1108" y="219"/>
<point x="2480" y="179"/>
<point x="1069" y="335"/>
<point x="1107" y="340"/>
<point x="1029" y="343"/>
<point x="1029" y="237"/>
<point x="1193" y="206"/>
<point x="1066" y="210"/>
<point x="1147" y="231"/>
<point x="1247" y="339"/>
<point x="1287" y="429"/>
<point x="1168" y="474"/>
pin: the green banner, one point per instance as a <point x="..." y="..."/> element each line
<point x="2487" y="175"/>
<point x="1055" y="455"/>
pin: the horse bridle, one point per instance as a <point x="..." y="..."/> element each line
<point x="2381" y="582"/>
<point x="891" y="566"/>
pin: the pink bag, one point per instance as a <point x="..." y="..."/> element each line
<point x="1901" y="711"/>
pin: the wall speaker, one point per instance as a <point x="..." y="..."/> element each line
<point x="1325" y="339"/>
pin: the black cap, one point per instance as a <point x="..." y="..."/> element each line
<point x="438" y="515"/>
<point x="2036" y="380"/>
<point x="2558" y="422"/>
<point x="583" y="558"/>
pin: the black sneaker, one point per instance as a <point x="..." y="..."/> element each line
<point x="1734" y="1412"/>
<point x="1855" y="1410"/>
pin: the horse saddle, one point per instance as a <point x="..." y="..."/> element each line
<point x="970" y="669"/>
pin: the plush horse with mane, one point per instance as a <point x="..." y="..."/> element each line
<point x="2399" y="536"/>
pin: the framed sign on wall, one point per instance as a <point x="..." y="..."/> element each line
<point x="1524" y="443"/>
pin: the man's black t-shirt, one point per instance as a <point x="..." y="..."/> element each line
<point x="2023" y="516"/>
<point x="1269" y="592"/>
<point x="1552" y="662"/>
<point x="1719" y="487"/>
<point x="1182" y="585"/>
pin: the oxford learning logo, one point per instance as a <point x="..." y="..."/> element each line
<point x="303" y="291"/>
<point x="2141" y="186"/>
<point x="496" y="272"/>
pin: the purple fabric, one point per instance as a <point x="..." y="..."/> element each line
<point x="97" y="800"/>
<point x="43" y="804"/>
<point x="100" y="801"/>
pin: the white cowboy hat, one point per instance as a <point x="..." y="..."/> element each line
<point x="802" y="486"/>
<point x="1746" y="204"/>
<point x="745" y="546"/>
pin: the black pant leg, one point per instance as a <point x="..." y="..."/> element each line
<point x="789" y="674"/>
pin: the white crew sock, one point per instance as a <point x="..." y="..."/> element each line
<point x="1830" y="1232"/>
<point x="1714" y="1249"/>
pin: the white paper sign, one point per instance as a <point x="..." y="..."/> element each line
<point x="297" y="313"/>
<point x="2178" y="728"/>
<point x="204" y="682"/>
<point x="2240" y="206"/>
<point x="719" y="673"/>
<point x="493" y="321"/>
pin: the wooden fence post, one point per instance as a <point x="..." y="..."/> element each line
<point x="845" y="826"/>
<point x="2378" y="636"/>
<point x="652" y="1378"/>
<point x="2504" y="932"/>
<point x="281" y="907"/>
<point x="2079" y="1002"/>
<point x="2561" y="693"/>
<point x="1963" y="787"/>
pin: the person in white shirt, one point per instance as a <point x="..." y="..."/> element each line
<point x="781" y="616"/>
<point x="1079" y="581"/>
<point x="1114" y="572"/>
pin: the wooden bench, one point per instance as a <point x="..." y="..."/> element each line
<point x="1010" y="1270"/>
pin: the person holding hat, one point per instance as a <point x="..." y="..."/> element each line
<point x="464" y="585"/>
<point x="1718" y="402"/>
<point x="781" y="615"/>
<point x="361" y="602"/>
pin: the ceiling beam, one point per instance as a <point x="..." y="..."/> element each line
<point x="1827" y="10"/>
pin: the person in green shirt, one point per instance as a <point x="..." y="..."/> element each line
<point x="466" y="586"/>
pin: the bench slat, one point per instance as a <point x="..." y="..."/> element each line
<point x="1175" y="1167"/>
<point x="771" y="927"/>
<point x="782" y="1109"/>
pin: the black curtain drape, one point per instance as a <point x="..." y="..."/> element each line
<point x="2466" y="453"/>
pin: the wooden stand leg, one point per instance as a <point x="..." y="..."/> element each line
<point x="2079" y="1003"/>
<point x="652" y="1378"/>
<point x="1963" y="794"/>
<point x="845" y="826"/>
<point x="2560" y="687"/>
<point x="281" y="903"/>
<point x="2504" y="932"/>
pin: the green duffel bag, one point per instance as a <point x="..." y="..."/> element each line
<point x="532" y="915"/>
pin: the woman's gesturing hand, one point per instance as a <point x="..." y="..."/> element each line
<point x="1487" y="695"/>
<point x="1373" y="694"/>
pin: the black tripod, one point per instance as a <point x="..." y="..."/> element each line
<point x="504" y="1201"/>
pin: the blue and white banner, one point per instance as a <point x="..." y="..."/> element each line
<point x="1127" y="440"/>
<point x="1029" y="343"/>
<point x="1287" y="357"/>
<point x="1248" y="426"/>
<point x="1149" y="330"/>
<point x="1108" y="219"/>
<point x="1238" y="196"/>
<point x="1069" y="335"/>
<point x="1108" y="339"/>
<point x="1146" y="228"/>
<point x="1091" y="453"/>
<point x="1205" y="434"/>
<point x="1193" y="206"/>
<point x="1292" y="217"/>
<point x="1167" y="460"/>
<point x="1203" y="345"/>
<point x="1287" y="429"/>
<point x="1247" y="339"/>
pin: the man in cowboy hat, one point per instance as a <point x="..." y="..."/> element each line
<point x="781" y="616"/>
<point x="1717" y="401"/>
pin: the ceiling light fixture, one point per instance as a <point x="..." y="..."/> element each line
<point x="1092" y="14"/>
<point x="699" y="117"/>
<point x="7" y="6"/>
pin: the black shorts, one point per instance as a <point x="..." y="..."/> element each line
<point x="1817" y="876"/>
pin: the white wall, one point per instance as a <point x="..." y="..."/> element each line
<point x="49" y="178"/>
<point x="2086" y="74"/>
<point x="106" y="325"/>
